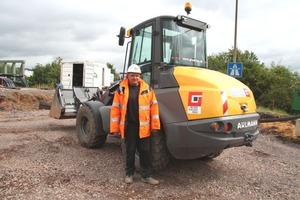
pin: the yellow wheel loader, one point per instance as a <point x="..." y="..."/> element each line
<point x="202" y="111"/>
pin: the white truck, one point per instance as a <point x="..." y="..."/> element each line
<point x="85" y="74"/>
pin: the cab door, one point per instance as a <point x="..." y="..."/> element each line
<point x="142" y="50"/>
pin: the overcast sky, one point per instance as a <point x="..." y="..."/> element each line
<point x="38" y="31"/>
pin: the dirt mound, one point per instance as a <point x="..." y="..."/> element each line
<point x="283" y="130"/>
<point x="24" y="99"/>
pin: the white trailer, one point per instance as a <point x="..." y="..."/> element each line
<point x="84" y="74"/>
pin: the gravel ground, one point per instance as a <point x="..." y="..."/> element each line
<point x="40" y="158"/>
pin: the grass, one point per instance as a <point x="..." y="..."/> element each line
<point x="276" y="112"/>
<point x="43" y="86"/>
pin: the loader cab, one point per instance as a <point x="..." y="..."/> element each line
<point x="160" y="44"/>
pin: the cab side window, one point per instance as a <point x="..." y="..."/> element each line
<point x="142" y="51"/>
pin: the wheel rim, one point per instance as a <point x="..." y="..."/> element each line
<point x="85" y="126"/>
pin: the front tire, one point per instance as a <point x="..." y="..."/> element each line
<point x="86" y="129"/>
<point x="160" y="156"/>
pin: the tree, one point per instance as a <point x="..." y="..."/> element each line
<point x="113" y="71"/>
<point x="53" y="72"/>
<point x="48" y="75"/>
<point x="282" y="83"/>
<point x="38" y="76"/>
<point x="219" y="62"/>
<point x="272" y="86"/>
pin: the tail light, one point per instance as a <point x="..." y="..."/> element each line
<point x="216" y="126"/>
<point x="228" y="127"/>
<point x="219" y="126"/>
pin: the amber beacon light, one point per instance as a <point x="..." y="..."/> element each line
<point x="188" y="7"/>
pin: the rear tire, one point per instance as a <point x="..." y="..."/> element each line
<point x="86" y="129"/>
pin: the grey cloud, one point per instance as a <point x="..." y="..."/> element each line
<point x="87" y="29"/>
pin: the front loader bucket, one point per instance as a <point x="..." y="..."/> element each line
<point x="63" y="104"/>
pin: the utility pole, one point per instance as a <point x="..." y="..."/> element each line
<point x="235" y="30"/>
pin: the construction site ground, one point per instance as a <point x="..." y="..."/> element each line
<point x="40" y="158"/>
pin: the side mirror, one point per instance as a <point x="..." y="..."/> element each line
<point x="122" y="36"/>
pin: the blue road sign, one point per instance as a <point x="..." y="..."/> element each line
<point x="235" y="69"/>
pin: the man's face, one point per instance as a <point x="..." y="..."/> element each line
<point x="133" y="78"/>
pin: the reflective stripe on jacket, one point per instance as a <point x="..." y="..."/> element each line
<point x="148" y="109"/>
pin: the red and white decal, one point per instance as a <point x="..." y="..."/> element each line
<point x="224" y="102"/>
<point x="247" y="93"/>
<point x="194" y="103"/>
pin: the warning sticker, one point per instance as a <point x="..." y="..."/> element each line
<point x="237" y="92"/>
<point x="194" y="103"/>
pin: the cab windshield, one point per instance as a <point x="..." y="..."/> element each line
<point x="183" y="46"/>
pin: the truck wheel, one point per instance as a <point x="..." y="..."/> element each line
<point x="160" y="156"/>
<point x="86" y="129"/>
<point x="212" y="155"/>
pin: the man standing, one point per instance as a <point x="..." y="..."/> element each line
<point x="135" y="115"/>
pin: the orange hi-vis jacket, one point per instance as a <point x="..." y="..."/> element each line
<point x="148" y="109"/>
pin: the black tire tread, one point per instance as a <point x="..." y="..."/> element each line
<point x="160" y="156"/>
<point x="92" y="140"/>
